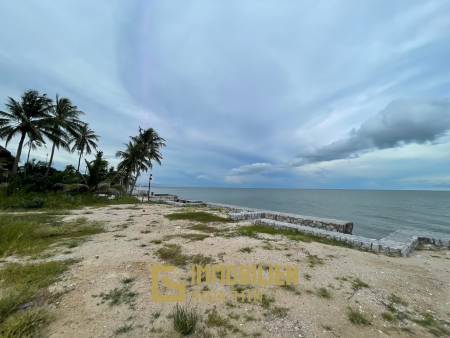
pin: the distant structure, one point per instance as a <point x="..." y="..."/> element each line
<point x="6" y="163"/>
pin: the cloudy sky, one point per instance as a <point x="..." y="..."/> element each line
<point x="292" y="94"/>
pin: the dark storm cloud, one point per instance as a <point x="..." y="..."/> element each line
<point x="400" y="123"/>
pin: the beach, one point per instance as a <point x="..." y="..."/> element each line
<point x="342" y="292"/>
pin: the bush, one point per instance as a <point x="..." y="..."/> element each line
<point x="33" y="203"/>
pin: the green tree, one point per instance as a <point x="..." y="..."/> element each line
<point x="84" y="142"/>
<point x="97" y="171"/>
<point x="25" y="118"/>
<point x="139" y="154"/>
<point x="62" y="125"/>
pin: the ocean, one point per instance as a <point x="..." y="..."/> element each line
<point x="375" y="213"/>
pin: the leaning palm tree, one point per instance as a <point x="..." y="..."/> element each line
<point x="84" y="142"/>
<point x="62" y="125"/>
<point x="25" y="118"/>
<point x="138" y="156"/>
<point x="151" y="144"/>
<point x="130" y="161"/>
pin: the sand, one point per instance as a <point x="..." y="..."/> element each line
<point x="128" y="250"/>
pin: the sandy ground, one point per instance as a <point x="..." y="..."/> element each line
<point x="126" y="250"/>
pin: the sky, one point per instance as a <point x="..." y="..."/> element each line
<point x="277" y="94"/>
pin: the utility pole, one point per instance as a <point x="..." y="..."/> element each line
<point x="149" y="184"/>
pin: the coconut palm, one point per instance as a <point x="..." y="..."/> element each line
<point x="33" y="144"/>
<point x="84" y="142"/>
<point x="139" y="154"/>
<point x="62" y="126"/>
<point x="25" y="118"/>
<point x="130" y="161"/>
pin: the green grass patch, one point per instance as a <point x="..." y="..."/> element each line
<point x="246" y="249"/>
<point x="254" y="230"/>
<point x="29" y="323"/>
<point x="171" y="253"/>
<point x="30" y="234"/>
<point x="197" y="216"/>
<point x="24" y="284"/>
<point x="58" y="200"/>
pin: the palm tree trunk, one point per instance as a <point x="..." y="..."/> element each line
<point x="51" y="158"/>
<point x="134" y="183"/>
<point x="79" y="160"/>
<point x="28" y="159"/>
<point x="29" y="151"/>
<point x="19" y="152"/>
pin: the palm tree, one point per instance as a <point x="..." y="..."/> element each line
<point x="25" y="118"/>
<point x="139" y="154"/>
<point x="130" y="161"/>
<point x="62" y="125"/>
<point x="84" y="142"/>
<point x="33" y="144"/>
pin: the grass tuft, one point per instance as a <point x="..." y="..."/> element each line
<point x="29" y="323"/>
<point x="357" y="317"/>
<point x="184" y="319"/>
<point x="323" y="293"/>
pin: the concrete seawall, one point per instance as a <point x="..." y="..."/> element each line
<point x="240" y="214"/>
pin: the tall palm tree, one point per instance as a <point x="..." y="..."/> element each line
<point x="25" y="118"/>
<point x="84" y="142"/>
<point x="62" y="125"/>
<point x="139" y="154"/>
<point x="129" y="163"/>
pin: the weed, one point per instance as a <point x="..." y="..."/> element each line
<point x="123" y="329"/>
<point x="185" y="319"/>
<point x="314" y="260"/>
<point x="199" y="259"/>
<point x="120" y="295"/>
<point x="387" y="316"/>
<point x="171" y="253"/>
<point x="266" y="301"/>
<point x="433" y="325"/>
<point x="279" y="312"/>
<point x="358" y="284"/>
<point x="323" y="293"/>
<point x="246" y="249"/>
<point x="357" y="317"/>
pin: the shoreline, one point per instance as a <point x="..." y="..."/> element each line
<point x="398" y="243"/>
